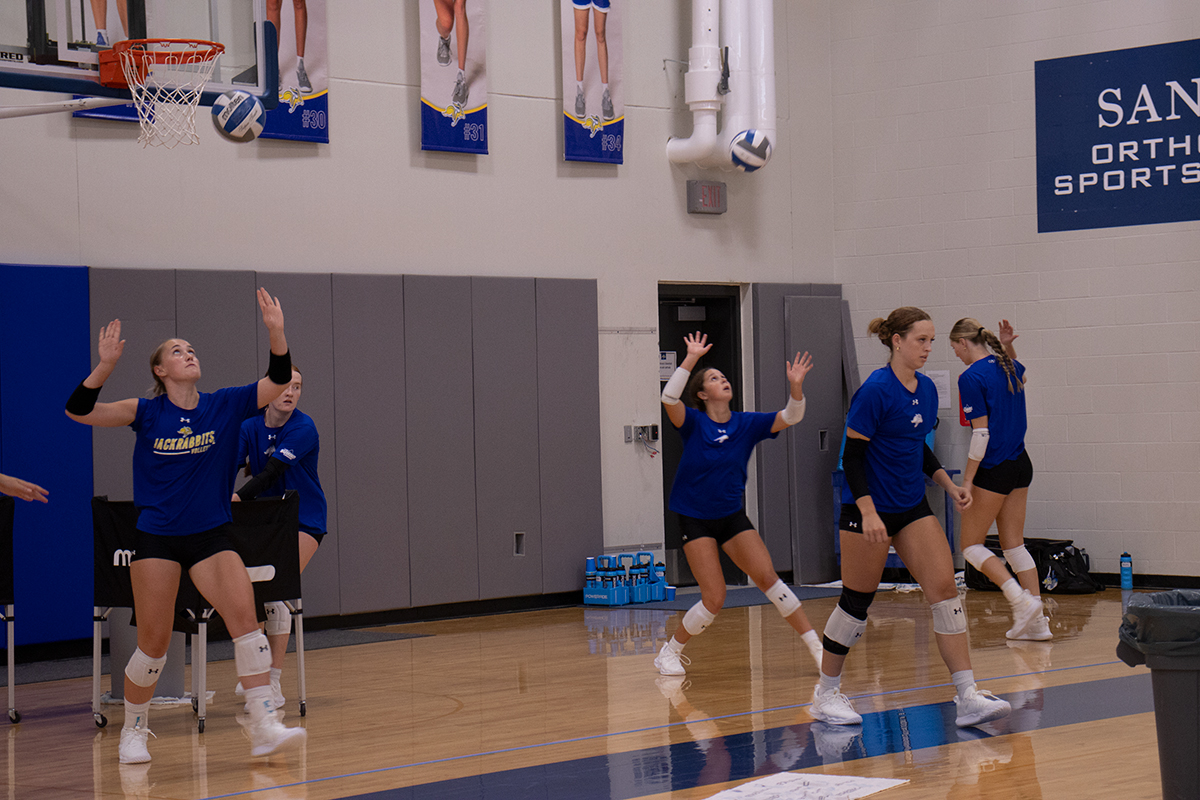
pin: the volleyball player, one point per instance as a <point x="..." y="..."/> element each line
<point x="886" y="461"/>
<point x="183" y="470"/>
<point x="282" y="447"/>
<point x="708" y="489"/>
<point x="999" y="472"/>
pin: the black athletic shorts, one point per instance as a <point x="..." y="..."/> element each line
<point x="187" y="551"/>
<point x="894" y="521"/>
<point x="722" y="529"/>
<point x="318" y="536"/>
<point x="1016" y="473"/>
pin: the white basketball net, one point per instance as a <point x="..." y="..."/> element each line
<point x="166" y="78"/>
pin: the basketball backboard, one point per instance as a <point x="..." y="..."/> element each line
<point x="51" y="45"/>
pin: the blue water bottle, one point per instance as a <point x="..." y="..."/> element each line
<point x="1126" y="571"/>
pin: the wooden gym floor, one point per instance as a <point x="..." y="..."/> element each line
<point x="565" y="704"/>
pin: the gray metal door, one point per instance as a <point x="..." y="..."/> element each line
<point x="815" y="324"/>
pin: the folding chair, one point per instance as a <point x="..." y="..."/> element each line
<point x="6" y="599"/>
<point x="264" y="533"/>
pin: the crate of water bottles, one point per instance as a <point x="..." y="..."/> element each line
<point x="624" y="578"/>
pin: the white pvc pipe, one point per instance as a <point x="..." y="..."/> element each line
<point x="79" y="104"/>
<point x="737" y="116"/>
<point x="762" y="26"/>
<point x="700" y="84"/>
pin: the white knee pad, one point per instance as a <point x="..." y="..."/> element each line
<point x="784" y="598"/>
<point x="144" y="670"/>
<point x="697" y="619"/>
<point x="843" y="628"/>
<point x="976" y="554"/>
<point x="948" y="617"/>
<point x="252" y="654"/>
<point x="279" y="619"/>
<point x="1019" y="559"/>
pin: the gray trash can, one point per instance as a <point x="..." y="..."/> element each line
<point x="1162" y="631"/>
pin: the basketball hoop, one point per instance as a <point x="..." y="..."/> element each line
<point x="166" y="78"/>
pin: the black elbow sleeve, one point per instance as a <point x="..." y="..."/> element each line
<point x="263" y="480"/>
<point x="931" y="464"/>
<point x="854" y="464"/>
<point x="279" y="369"/>
<point x="82" y="400"/>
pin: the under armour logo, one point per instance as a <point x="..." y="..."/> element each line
<point x="917" y="420"/>
<point x="916" y="402"/>
<point x="152" y="671"/>
<point x="958" y="610"/>
<point x="264" y="648"/>
<point x="184" y="419"/>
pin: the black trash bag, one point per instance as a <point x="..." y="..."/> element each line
<point x="1160" y="624"/>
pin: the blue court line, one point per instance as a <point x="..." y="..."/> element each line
<point x="947" y="709"/>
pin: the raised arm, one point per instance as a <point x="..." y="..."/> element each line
<point x="697" y="346"/>
<point x="82" y="405"/>
<point x="279" y="368"/>
<point x="793" y="412"/>
<point x="24" y="490"/>
<point x="1006" y="336"/>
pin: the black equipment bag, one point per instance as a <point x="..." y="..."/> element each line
<point x="1062" y="567"/>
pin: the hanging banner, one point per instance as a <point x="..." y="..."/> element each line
<point x="303" y="110"/>
<point x="454" y="87"/>
<point x="593" y="92"/>
<point x="1118" y="139"/>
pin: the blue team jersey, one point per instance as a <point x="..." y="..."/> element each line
<point x="295" y="444"/>
<point x="983" y="391"/>
<point x="183" y="460"/>
<point x="897" y="422"/>
<point x="711" y="478"/>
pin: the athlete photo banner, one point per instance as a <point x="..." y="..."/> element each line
<point x="593" y="93"/>
<point x="303" y="110"/>
<point x="454" y="87"/>
<point x="1118" y="137"/>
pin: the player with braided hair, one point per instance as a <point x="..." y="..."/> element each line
<point x="999" y="471"/>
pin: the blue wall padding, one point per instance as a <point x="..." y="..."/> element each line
<point x="45" y="351"/>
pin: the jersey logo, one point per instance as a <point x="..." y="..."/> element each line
<point x="917" y="420"/>
<point x="184" y="419"/>
<point x="185" y="431"/>
<point x="722" y="438"/>
<point x="288" y="453"/>
<point x="967" y="409"/>
<point x="916" y="402"/>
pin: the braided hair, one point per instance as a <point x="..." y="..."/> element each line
<point x="898" y="322"/>
<point x="970" y="330"/>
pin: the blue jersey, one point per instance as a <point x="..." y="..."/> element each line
<point x="295" y="444"/>
<point x="183" y="460"/>
<point x="983" y="391"/>
<point x="711" y="478"/>
<point x="897" y="422"/>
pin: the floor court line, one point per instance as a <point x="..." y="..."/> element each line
<point x="868" y="740"/>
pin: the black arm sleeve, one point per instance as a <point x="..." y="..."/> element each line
<point x="931" y="464"/>
<point x="82" y="400"/>
<point x="263" y="480"/>
<point x="854" y="463"/>
<point x="279" y="369"/>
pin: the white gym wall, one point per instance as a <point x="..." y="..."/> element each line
<point x="904" y="170"/>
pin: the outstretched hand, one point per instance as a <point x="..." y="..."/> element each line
<point x="111" y="344"/>
<point x="272" y="312"/>
<point x="697" y="344"/>
<point x="1005" y="333"/>
<point x="797" y="369"/>
<point x="23" y="490"/>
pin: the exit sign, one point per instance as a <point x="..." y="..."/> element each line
<point x="706" y="197"/>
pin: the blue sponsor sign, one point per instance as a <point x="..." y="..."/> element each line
<point x="1118" y="137"/>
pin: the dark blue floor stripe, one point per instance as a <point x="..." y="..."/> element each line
<point x="624" y="776"/>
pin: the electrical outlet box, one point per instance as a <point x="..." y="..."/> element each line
<point x="628" y="434"/>
<point x="646" y="433"/>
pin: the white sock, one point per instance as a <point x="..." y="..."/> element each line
<point x="276" y="674"/>
<point x="103" y="32"/>
<point x="579" y="86"/>
<point x="1012" y="590"/>
<point x="808" y="637"/>
<point x="300" y="61"/>
<point x="462" y="74"/>
<point x="604" y="86"/>
<point x="963" y="680"/>
<point x="137" y="714"/>
<point x="830" y="683"/>
<point x="674" y="646"/>
<point x="259" y="703"/>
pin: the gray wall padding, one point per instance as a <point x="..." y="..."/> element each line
<point x="372" y="458"/>
<point x="507" y="490"/>
<point x="442" y="536"/>
<point x="568" y="352"/>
